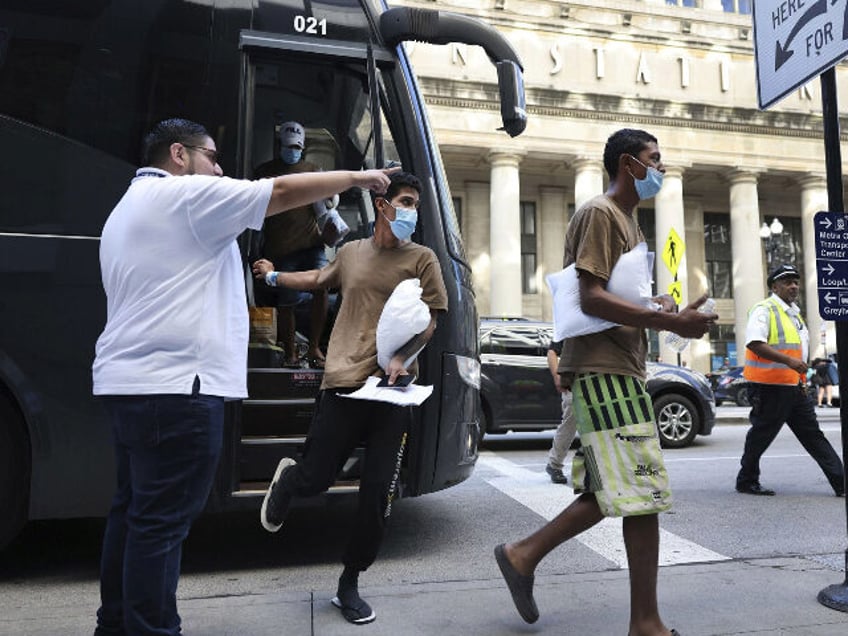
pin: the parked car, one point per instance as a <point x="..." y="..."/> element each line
<point x="518" y="392"/>
<point x="732" y="387"/>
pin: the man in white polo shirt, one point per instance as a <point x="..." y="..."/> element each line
<point x="174" y="347"/>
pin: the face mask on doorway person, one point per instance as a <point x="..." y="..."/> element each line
<point x="404" y="224"/>
<point x="648" y="187"/>
<point x="290" y="156"/>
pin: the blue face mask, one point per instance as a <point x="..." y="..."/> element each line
<point x="648" y="187"/>
<point x="290" y="156"/>
<point x="404" y="224"/>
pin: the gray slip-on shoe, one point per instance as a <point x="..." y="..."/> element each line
<point x="520" y="586"/>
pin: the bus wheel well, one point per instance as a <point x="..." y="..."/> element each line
<point x="15" y="469"/>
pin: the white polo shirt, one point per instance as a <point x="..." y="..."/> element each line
<point x="174" y="285"/>
<point x="757" y="329"/>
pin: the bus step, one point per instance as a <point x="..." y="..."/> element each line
<point x="276" y="417"/>
<point x="260" y="454"/>
<point x="251" y="489"/>
<point x="276" y="383"/>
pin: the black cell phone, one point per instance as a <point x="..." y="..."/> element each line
<point x="401" y="382"/>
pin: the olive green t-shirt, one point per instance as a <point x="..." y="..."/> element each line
<point x="367" y="275"/>
<point x="598" y="234"/>
<point x="295" y="229"/>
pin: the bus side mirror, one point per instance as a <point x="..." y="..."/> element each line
<point x="511" y="90"/>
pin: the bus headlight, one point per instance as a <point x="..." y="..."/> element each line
<point x="469" y="370"/>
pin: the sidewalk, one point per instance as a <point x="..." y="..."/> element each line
<point x="753" y="597"/>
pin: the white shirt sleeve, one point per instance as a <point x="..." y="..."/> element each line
<point x="758" y="326"/>
<point x="221" y="208"/>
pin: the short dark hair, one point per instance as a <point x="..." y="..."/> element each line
<point x="398" y="180"/>
<point x="627" y="141"/>
<point x="157" y="143"/>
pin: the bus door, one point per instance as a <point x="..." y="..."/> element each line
<point x="325" y="86"/>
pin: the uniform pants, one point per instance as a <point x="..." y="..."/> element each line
<point x="771" y="406"/>
<point x="339" y="425"/>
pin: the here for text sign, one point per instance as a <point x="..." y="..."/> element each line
<point x="795" y="41"/>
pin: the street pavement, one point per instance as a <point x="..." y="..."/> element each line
<point x="759" y="596"/>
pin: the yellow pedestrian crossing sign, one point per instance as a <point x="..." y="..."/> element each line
<point x="675" y="290"/>
<point x="673" y="251"/>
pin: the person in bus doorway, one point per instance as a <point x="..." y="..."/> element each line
<point x="293" y="243"/>
<point x="777" y="347"/>
<point x="367" y="272"/>
<point x="173" y="349"/>
<point x="619" y="470"/>
<point x="567" y="429"/>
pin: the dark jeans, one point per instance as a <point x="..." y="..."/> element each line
<point x="338" y="426"/>
<point x="771" y="406"/>
<point x="167" y="449"/>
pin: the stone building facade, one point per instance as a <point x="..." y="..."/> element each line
<point x="683" y="70"/>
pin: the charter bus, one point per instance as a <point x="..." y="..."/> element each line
<point x="81" y="81"/>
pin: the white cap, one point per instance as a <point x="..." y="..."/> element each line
<point x="292" y="134"/>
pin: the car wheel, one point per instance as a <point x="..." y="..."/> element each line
<point x="742" y="397"/>
<point x="678" y="421"/>
<point x="14" y="472"/>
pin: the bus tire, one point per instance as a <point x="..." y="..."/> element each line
<point x="15" y="467"/>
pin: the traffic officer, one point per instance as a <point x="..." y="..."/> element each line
<point x="777" y="347"/>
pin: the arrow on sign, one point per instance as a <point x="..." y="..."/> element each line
<point x="828" y="297"/>
<point x="783" y="53"/>
<point x="829" y="269"/>
<point x="825" y="220"/>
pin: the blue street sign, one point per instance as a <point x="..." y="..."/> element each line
<point x="831" y="237"/>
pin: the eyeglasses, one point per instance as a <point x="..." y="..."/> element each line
<point x="213" y="155"/>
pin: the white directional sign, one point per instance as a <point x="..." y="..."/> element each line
<point x="795" y="41"/>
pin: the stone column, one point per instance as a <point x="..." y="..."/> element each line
<point x="505" y="234"/>
<point x="668" y="206"/>
<point x="749" y="284"/>
<point x="476" y="237"/>
<point x="813" y="199"/>
<point x="553" y="218"/>
<point x="588" y="179"/>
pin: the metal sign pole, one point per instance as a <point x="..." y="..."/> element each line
<point x="836" y="596"/>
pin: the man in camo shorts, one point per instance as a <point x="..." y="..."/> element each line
<point x="619" y="470"/>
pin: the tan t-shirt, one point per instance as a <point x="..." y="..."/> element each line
<point x="598" y="234"/>
<point x="294" y="229"/>
<point x="367" y="275"/>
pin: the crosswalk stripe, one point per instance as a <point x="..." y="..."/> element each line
<point x="537" y="493"/>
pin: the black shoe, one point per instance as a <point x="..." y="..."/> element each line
<point x="754" y="489"/>
<point x="275" y="506"/>
<point x="556" y="474"/>
<point x="839" y="493"/>
<point x="358" y="614"/>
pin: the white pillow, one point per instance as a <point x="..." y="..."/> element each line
<point x="630" y="279"/>
<point x="404" y="315"/>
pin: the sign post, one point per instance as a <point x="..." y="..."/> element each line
<point x="794" y="41"/>
<point x="836" y="596"/>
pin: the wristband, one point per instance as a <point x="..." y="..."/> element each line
<point x="271" y="279"/>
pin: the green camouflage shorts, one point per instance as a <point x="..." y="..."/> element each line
<point x="620" y="461"/>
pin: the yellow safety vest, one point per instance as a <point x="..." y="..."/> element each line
<point x="784" y="336"/>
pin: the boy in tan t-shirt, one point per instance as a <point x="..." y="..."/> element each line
<point x="366" y="272"/>
<point x="619" y="470"/>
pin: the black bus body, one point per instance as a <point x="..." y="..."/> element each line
<point x="80" y="83"/>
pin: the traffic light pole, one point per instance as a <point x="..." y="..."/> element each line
<point x="836" y="596"/>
